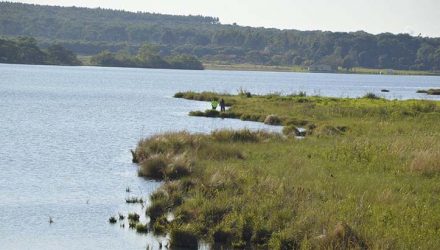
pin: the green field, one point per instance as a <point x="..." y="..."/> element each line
<point x="366" y="175"/>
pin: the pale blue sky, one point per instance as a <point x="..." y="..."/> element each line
<point x="374" y="16"/>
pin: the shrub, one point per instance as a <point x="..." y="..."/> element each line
<point x="272" y="120"/>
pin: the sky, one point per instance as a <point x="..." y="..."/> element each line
<point x="374" y="16"/>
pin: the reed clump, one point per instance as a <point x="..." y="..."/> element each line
<point x="112" y="220"/>
<point x="142" y="228"/>
<point x="134" y="217"/>
<point x="133" y="200"/>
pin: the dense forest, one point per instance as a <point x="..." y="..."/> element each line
<point x="91" y="31"/>
<point x="24" y="50"/>
<point x="147" y="57"/>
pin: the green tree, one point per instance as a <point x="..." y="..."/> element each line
<point x="58" y="55"/>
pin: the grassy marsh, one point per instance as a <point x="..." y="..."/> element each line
<point x="366" y="176"/>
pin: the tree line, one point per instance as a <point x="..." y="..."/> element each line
<point x="89" y="31"/>
<point x="24" y="50"/>
<point x="147" y="57"/>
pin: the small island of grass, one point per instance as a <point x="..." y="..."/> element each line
<point x="366" y="175"/>
<point x="429" y="91"/>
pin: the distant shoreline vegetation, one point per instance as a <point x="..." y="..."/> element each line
<point x="88" y="32"/>
<point x="147" y="57"/>
<point x="24" y="50"/>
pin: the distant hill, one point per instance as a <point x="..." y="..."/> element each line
<point x="90" y="31"/>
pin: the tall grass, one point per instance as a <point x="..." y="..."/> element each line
<point x="366" y="177"/>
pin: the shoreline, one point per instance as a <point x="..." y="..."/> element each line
<point x="303" y="185"/>
<point x="300" y="69"/>
<point x="258" y="68"/>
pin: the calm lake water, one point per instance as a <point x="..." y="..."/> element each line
<point x="65" y="135"/>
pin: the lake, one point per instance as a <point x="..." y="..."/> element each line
<point x="66" y="133"/>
